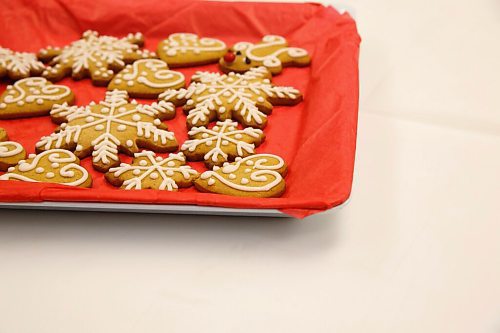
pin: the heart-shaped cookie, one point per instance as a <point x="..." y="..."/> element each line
<point x="10" y="154"/>
<point x="147" y="78"/>
<point x="32" y="97"/>
<point x="52" y="166"/>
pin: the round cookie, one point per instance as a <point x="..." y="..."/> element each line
<point x="221" y="143"/>
<point x="148" y="171"/>
<point x="3" y="135"/>
<point x="32" y="97"/>
<point x="94" y="56"/>
<point x="258" y="176"/>
<point x="19" y="65"/>
<point x="10" y="154"/>
<point x="272" y="52"/>
<point x="186" y="49"/>
<point x="114" y="125"/>
<point x="147" y="78"/>
<point x="247" y="98"/>
<point x="52" y="166"/>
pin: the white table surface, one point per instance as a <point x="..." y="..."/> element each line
<point x="416" y="250"/>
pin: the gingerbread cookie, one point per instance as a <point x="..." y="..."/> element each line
<point x="221" y="143"/>
<point x="3" y="135"/>
<point x="258" y="176"/>
<point x="10" y="154"/>
<point x="31" y="97"/>
<point x="185" y="49"/>
<point x="113" y="125"/>
<point x="147" y="78"/>
<point x="94" y="56"/>
<point x="272" y="52"/>
<point x="148" y="171"/>
<point x="19" y="65"/>
<point x="52" y="166"/>
<point x="247" y="97"/>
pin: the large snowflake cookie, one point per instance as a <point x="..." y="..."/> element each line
<point x="148" y="171"/>
<point x="114" y="125"/>
<point x="247" y="97"/>
<point x="147" y="78"/>
<point x="94" y="56"/>
<point x="272" y="52"/>
<point x="19" y="65"/>
<point x="52" y="166"/>
<point x="253" y="176"/>
<point x="31" y="97"/>
<point x="221" y="143"/>
<point x="10" y="154"/>
<point x="185" y="49"/>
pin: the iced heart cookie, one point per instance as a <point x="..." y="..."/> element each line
<point x="247" y="98"/>
<point x="147" y="78"/>
<point x="221" y="143"/>
<point x="254" y="176"/>
<point x="272" y="52"/>
<point x="52" y="166"/>
<point x="185" y="49"/>
<point x="94" y="56"/>
<point x="3" y="135"/>
<point x="32" y="97"/>
<point x="10" y="153"/>
<point x="148" y="171"/>
<point x="114" y="125"/>
<point x="19" y="65"/>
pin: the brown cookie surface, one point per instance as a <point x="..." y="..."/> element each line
<point x="32" y="97"/>
<point x="186" y="49"/>
<point x="19" y="65"/>
<point x="52" y="166"/>
<point x="112" y="126"/>
<point x="10" y="154"/>
<point x="272" y="52"/>
<point x="258" y="176"/>
<point x="221" y="143"/>
<point x="148" y="171"/>
<point x="3" y="135"/>
<point x="94" y="56"/>
<point x="247" y="98"/>
<point x="147" y="78"/>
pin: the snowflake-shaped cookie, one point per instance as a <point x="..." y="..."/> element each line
<point x="258" y="175"/>
<point x="148" y="171"/>
<point x="185" y="49"/>
<point x="52" y="166"/>
<point x="247" y="97"/>
<point x="96" y="56"/>
<point x="19" y="65"/>
<point x="113" y="125"/>
<point x="223" y="142"/>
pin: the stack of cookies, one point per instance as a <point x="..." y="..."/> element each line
<point x="226" y="113"/>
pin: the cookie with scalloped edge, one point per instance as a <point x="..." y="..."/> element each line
<point x="52" y="166"/>
<point x="147" y="78"/>
<point x="32" y="97"/>
<point x="260" y="176"/>
<point x="187" y="49"/>
<point x="11" y="153"/>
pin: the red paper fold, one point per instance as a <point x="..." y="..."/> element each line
<point x="316" y="138"/>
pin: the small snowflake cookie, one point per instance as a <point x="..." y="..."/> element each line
<point x="32" y="97"/>
<point x="258" y="175"/>
<point x="52" y="166"/>
<point x="221" y="143"/>
<point x="10" y="154"/>
<point x="272" y="52"/>
<point x="185" y="49"/>
<point x="147" y="78"/>
<point x="3" y="135"/>
<point x="148" y="171"/>
<point x="114" y="125"/>
<point x="19" y="65"/>
<point x="247" y="98"/>
<point x="94" y="56"/>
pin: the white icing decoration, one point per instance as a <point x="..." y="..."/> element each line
<point x="163" y="77"/>
<point x="10" y="148"/>
<point x="46" y="91"/>
<point x="22" y="63"/>
<point x="186" y="42"/>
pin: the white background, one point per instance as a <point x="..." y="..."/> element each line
<point x="416" y="250"/>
